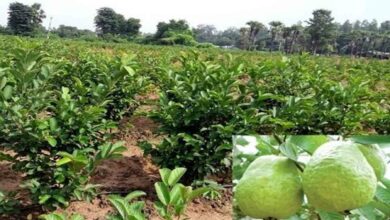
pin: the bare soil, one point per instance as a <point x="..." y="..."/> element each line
<point x="121" y="176"/>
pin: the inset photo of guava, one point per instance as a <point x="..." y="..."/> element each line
<point x="319" y="177"/>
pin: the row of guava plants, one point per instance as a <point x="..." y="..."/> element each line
<point x="173" y="199"/>
<point x="343" y="178"/>
<point x="204" y="100"/>
<point x="56" y="117"/>
<point x="310" y="95"/>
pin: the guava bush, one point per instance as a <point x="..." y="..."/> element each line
<point x="206" y="98"/>
<point x="56" y="116"/>
<point x="199" y="113"/>
<point x="299" y="150"/>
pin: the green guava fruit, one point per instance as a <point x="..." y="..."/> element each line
<point x="270" y="187"/>
<point x="376" y="158"/>
<point x="338" y="177"/>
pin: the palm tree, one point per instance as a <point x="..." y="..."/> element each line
<point x="254" y="29"/>
<point x="275" y="30"/>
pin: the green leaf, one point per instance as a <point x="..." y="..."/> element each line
<point x="175" y="175"/>
<point x="308" y="143"/>
<point x="198" y="193"/>
<point x="134" y="195"/>
<point x="53" y="124"/>
<point x="330" y="215"/>
<point x="119" y="204"/>
<point x="176" y="193"/>
<point x="136" y="210"/>
<point x="111" y="151"/>
<point x="161" y="208"/>
<point x="165" y="173"/>
<point x="383" y="195"/>
<point x="63" y="161"/>
<point x="6" y="157"/>
<point x="241" y="141"/>
<point x="289" y="150"/>
<point x="44" y="198"/>
<point x="371" y="139"/>
<point x="384" y="208"/>
<point x="386" y="182"/>
<point x="137" y="206"/>
<point x="53" y="216"/>
<point x="162" y="192"/>
<point x="7" y="92"/>
<point x="3" y="82"/>
<point x="368" y="211"/>
<point x="52" y="141"/>
<point x="61" y="200"/>
<point x="77" y="217"/>
<point x="129" y="70"/>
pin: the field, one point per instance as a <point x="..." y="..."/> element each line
<point x="74" y="114"/>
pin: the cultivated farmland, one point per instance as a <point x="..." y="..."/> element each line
<point x="80" y="120"/>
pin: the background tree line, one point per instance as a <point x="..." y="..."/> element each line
<point x="319" y="34"/>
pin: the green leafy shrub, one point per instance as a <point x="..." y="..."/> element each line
<point x="61" y="216"/>
<point x="305" y="100"/>
<point x="114" y="79"/>
<point x="178" y="38"/>
<point x="127" y="210"/>
<point x="174" y="196"/>
<point x="199" y="112"/>
<point x="58" y="134"/>
<point x="8" y="204"/>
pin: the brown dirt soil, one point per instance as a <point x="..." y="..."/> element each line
<point x="9" y="179"/>
<point x="120" y="176"/>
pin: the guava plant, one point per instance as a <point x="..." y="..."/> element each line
<point x="55" y="135"/>
<point x="126" y="208"/>
<point x="198" y="111"/>
<point x="61" y="216"/>
<point x="174" y="196"/>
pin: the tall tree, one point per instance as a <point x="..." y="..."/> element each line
<point x="365" y="25"/>
<point x="276" y="28"/>
<point x="373" y="26"/>
<point x="357" y="25"/>
<point x="385" y="26"/>
<point x="72" y="32"/>
<point x="131" y="27"/>
<point x="24" y="19"/>
<point x="228" y="37"/>
<point x="178" y="26"/>
<point x="244" y="41"/>
<point x="347" y="27"/>
<point x="205" y="33"/>
<point x="107" y="21"/>
<point x="254" y="29"/>
<point x="174" y="32"/>
<point x="290" y="36"/>
<point x="3" y="30"/>
<point x="38" y="14"/>
<point x="321" y="29"/>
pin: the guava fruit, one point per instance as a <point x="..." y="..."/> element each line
<point x="338" y="177"/>
<point x="376" y="158"/>
<point x="270" y="187"/>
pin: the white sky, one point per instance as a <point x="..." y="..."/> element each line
<point x="221" y="13"/>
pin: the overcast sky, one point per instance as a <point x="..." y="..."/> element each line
<point x="221" y="13"/>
